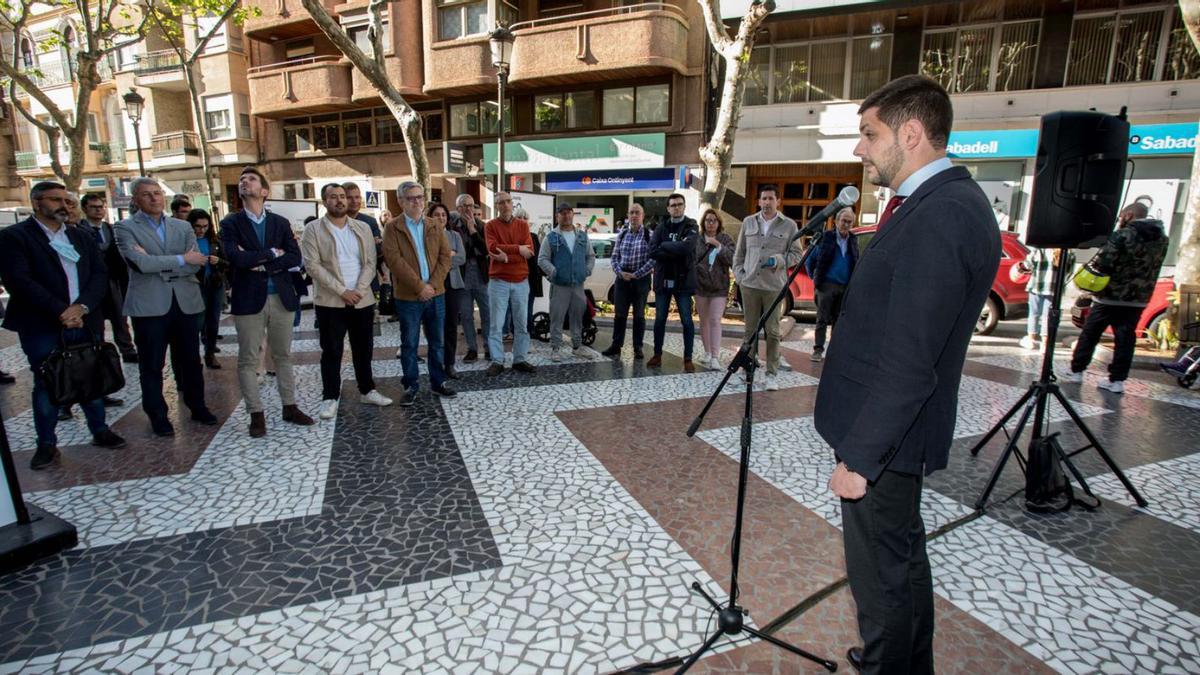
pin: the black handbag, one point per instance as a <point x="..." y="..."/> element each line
<point x="387" y="300"/>
<point x="82" y="372"/>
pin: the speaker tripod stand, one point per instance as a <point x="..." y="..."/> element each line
<point x="1035" y="402"/>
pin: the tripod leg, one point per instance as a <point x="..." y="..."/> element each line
<point x="828" y="665"/>
<point x="1009" y="448"/>
<point x="1003" y="421"/>
<point x="691" y="660"/>
<point x="1079" y="424"/>
<point x="700" y="589"/>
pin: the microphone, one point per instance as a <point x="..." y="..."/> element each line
<point x="847" y="197"/>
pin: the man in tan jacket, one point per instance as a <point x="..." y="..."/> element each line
<point x="339" y="255"/>
<point x="419" y="257"/>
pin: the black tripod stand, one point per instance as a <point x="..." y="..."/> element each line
<point x="1035" y="401"/>
<point x="731" y="616"/>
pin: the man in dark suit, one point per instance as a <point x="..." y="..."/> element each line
<point x="94" y="210"/>
<point x="261" y="248"/>
<point x="56" y="280"/>
<point x="888" y="396"/>
<point x="830" y="268"/>
<point x="164" y="302"/>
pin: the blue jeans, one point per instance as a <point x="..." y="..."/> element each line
<point x="503" y="297"/>
<point x="662" y="305"/>
<point x="1039" y="314"/>
<point x="37" y="346"/>
<point x="414" y="316"/>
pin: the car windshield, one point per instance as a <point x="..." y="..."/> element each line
<point x="602" y="247"/>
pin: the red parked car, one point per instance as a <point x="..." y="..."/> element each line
<point x="1007" y="300"/>
<point x="1147" y="324"/>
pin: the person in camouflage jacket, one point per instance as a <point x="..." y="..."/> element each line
<point x="1131" y="258"/>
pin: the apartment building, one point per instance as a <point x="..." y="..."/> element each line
<point x="170" y="143"/>
<point x="1005" y="62"/>
<point x="604" y="106"/>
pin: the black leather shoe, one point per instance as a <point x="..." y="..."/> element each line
<point x="494" y="370"/>
<point x="408" y="398"/>
<point x="444" y="391"/>
<point x="258" y="425"/>
<point x="611" y="351"/>
<point x="452" y="374"/>
<point x="205" y="417"/>
<point x="638" y="355"/>
<point x="854" y="656"/>
<point x="210" y="362"/>
<point x="130" y="358"/>
<point x="524" y="367"/>
<point x="43" y="457"/>
<point x="5" y="378"/>
<point x="164" y="428"/>
<point x="64" y="413"/>
<point x="110" y="402"/>
<point x="107" y="439"/>
<point x="471" y="356"/>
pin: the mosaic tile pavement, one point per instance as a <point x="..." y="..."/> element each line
<point x="553" y="523"/>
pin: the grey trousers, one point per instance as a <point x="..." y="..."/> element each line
<point x="276" y="321"/>
<point x="477" y="290"/>
<point x="566" y="302"/>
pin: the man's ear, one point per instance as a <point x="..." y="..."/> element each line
<point x="912" y="132"/>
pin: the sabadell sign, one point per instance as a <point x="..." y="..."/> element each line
<point x="1144" y="139"/>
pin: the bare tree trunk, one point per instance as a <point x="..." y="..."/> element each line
<point x="1187" y="266"/>
<point x="372" y="67"/>
<point x="198" y="119"/>
<point x="717" y="154"/>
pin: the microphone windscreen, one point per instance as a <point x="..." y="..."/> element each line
<point x="848" y="196"/>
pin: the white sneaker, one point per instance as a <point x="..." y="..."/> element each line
<point x="1117" y="387"/>
<point x="714" y="362"/>
<point x="772" y="383"/>
<point x="1071" y="377"/>
<point x="328" y="409"/>
<point x="399" y="352"/>
<point x="783" y="364"/>
<point x="373" y="397"/>
<point x="583" y="352"/>
<point x="555" y="355"/>
<point x="1028" y="343"/>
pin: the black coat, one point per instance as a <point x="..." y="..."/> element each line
<point x="216" y="278"/>
<point x="888" y="397"/>
<point x="673" y="248"/>
<point x="475" y="245"/>
<point x="535" y="272"/>
<point x="822" y="259"/>
<point x="246" y="253"/>
<point x="33" y="274"/>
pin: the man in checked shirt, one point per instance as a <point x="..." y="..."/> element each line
<point x="632" y="265"/>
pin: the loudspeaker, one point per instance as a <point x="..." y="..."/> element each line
<point x="1078" y="177"/>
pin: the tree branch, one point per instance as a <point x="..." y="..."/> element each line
<point x="35" y="92"/>
<point x="375" y="31"/>
<point x="221" y="20"/>
<point x="717" y="35"/>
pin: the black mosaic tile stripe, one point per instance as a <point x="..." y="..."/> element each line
<point x="399" y="508"/>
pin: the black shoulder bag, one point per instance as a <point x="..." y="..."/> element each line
<point x="82" y="372"/>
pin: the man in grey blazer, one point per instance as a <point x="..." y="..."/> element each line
<point x="164" y="303"/>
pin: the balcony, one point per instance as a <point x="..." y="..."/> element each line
<point x="641" y="40"/>
<point x="315" y="84"/>
<point x="176" y="148"/>
<point x="26" y="161"/>
<point x="463" y="66"/>
<point x="408" y="83"/>
<point x="160" y="70"/>
<point x="109" y="153"/>
<point x="282" y="19"/>
<point x="52" y="75"/>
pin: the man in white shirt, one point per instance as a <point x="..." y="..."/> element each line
<point x="339" y="254"/>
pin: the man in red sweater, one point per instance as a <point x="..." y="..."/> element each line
<point x="509" y="245"/>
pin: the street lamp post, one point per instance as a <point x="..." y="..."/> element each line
<point x="133" y="108"/>
<point x="502" y="43"/>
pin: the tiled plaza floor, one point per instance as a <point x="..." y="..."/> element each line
<point x="554" y="523"/>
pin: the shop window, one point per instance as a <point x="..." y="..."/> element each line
<point x="1123" y="47"/>
<point x="1183" y="61"/>
<point x="575" y="110"/>
<point x="999" y="57"/>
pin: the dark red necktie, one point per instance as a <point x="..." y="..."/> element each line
<point x="892" y="204"/>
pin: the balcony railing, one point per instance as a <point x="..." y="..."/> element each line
<point x="110" y="153"/>
<point x="311" y="84"/>
<point x="26" y="161"/>
<point x="600" y="13"/>
<point x="176" y="143"/>
<point x="157" y="62"/>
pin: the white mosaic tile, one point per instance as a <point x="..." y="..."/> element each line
<point x="1172" y="487"/>
<point x="1158" y="391"/>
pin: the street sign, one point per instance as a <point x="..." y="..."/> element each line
<point x="371" y="199"/>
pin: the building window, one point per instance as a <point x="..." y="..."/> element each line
<point x="93" y="130"/>
<point x="299" y="49"/>
<point x="27" y="59"/>
<point x="431" y="123"/>
<point x="823" y="70"/>
<point x="1128" y="46"/>
<point x="298" y="190"/>
<point x="359" y="35"/>
<point x="982" y="46"/>
<point x="652" y="104"/>
<point x="574" y="110"/>
<point x="245" y="129"/>
<point x="461" y="18"/>
<point x="351" y="129"/>
<point x="327" y="132"/>
<point x="618" y="107"/>
<point x="217" y="122"/>
<point x="478" y="118"/>
<point x="357" y="129"/>
<point x="387" y="129"/>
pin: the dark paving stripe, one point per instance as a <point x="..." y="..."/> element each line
<point x="399" y="508"/>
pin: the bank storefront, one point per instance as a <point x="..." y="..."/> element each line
<point x="601" y="176"/>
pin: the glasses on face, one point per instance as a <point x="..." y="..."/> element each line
<point x="414" y="199"/>
<point x="675" y="205"/>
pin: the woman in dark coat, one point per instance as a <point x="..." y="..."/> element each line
<point x="212" y="282"/>
<point x="714" y="255"/>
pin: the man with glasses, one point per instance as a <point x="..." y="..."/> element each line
<point x="673" y="249"/>
<point x="475" y="276"/>
<point x="418" y="256"/>
<point x="94" y="211"/>
<point x="510" y="245"/>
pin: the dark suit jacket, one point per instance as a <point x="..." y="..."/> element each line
<point x="888" y="397"/>
<point x="245" y="252"/>
<point x="117" y="271"/>
<point x="35" y="280"/>
<point x="822" y="259"/>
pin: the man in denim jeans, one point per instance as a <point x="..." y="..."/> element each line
<point x="419" y="258"/>
<point x="510" y="246"/>
<point x="56" y="277"/>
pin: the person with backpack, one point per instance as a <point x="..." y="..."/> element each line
<point x="567" y="259"/>
<point x="632" y="265"/>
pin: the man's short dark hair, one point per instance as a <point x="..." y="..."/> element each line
<point x="330" y="186"/>
<point x="89" y="198"/>
<point x="351" y="186"/>
<point x="254" y="170"/>
<point x="676" y="195"/>
<point x="1140" y="210"/>
<point x="179" y="201"/>
<point x="914" y="97"/>
<point x="43" y="187"/>
<point x="768" y="187"/>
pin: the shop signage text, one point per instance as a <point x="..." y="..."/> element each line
<point x="1144" y="139"/>
<point x="637" y="179"/>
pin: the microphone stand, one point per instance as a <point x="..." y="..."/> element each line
<point x="731" y="615"/>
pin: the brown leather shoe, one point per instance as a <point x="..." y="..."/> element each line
<point x="655" y="361"/>
<point x="295" y="415"/>
<point x="210" y="361"/>
<point x="688" y="367"/>
<point x="258" y="425"/>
